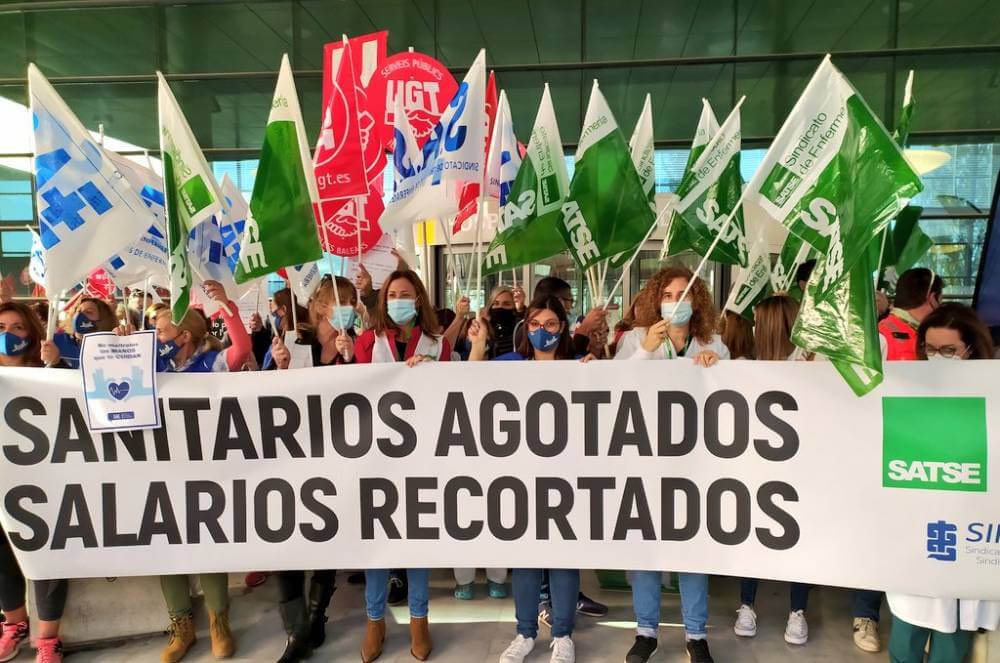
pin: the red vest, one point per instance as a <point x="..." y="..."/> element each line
<point x="900" y="339"/>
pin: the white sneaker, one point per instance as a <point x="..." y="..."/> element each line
<point x="746" y="622"/>
<point x="797" y="629"/>
<point x="519" y="648"/>
<point x="563" y="650"/>
<point x="866" y="635"/>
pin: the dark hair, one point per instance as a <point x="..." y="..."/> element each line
<point x="914" y="286"/>
<point x="426" y="318"/>
<point x="36" y="333"/>
<point x="552" y="286"/>
<point x="805" y="270"/>
<point x="283" y="299"/>
<point x="737" y="335"/>
<point x="646" y="305"/>
<point x="965" y="321"/>
<point x="107" y="319"/>
<point x="41" y="309"/>
<point x="445" y="317"/>
<point x="565" y="348"/>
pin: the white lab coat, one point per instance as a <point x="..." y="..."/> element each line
<point x="945" y="615"/>
<point x="630" y="347"/>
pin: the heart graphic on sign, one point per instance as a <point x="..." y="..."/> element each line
<point x="119" y="390"/>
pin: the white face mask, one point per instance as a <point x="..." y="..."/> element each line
<point x="941" y="357"/>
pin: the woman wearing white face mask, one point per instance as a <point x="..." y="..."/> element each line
<point x="664" y="326"/>
<point x="952" y="332"/>
<point x="405" y="330"/>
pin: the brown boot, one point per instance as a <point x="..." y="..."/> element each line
<point x="223" y="644"/>
<point x="420" y="638"/>
<point x="371" y="646"/>
<point x="181" y="639"/>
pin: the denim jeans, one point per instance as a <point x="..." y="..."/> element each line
<point x="867" y="604"/>
<point x="798" y="593"/>
<point x="564" y="587"/>
<point x="694" y="602"/>
<point x="377" y="592"/>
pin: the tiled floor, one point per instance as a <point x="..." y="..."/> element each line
<point x="468" y="632"/>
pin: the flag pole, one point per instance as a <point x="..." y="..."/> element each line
<point x="455" y="263"/>
<point x="142" y="313"/>
<point x="359" y="206"/>
<point x="881" y="256"/>
<point x="479" y="245"/>
<point x="635" y="254"/>
<point x="329" y="261"/>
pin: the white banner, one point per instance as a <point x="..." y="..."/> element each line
<point x="747" y="469"/>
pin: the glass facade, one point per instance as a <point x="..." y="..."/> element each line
<point x="221" y="59"/>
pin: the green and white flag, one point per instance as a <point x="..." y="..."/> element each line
<point x="607" y="210"/>
<point x="710" y="191"/>
<point x="834" y="177"/>
<point x="794" y="253"/>
<point x="677" y="239"/>
<point x="527" y="228"/>
<point x="752" y="284"/>
<point x="642" y="147"/>
<point x="281" y="229"/>
<point x="902" y="132"/>
<point x="190" y="193"/>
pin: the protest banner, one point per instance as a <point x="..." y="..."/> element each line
<point x="741" y="469"/>
<point x="119" y="380"/>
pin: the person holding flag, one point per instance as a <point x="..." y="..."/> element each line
<point x="90" y="314"/>
<point x="405" y="330"/>
<point x="673" y="316"/>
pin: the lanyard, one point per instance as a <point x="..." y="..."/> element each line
<point x="669" y="348"/>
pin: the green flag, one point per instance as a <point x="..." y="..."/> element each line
<point x="843" y="325"/>
<point x="794" y="252"/>
<point x="902" y="132"/>
<point x="190" y="193"/>
<point x="526" y="230"/>
<point x="710" y="191"/>
<point x="607" y="210"/>
<point x="281" y="228"/>
<point x="642" y="147"/>
<point x="834" y="177"/>
<point x="677" y="239"/>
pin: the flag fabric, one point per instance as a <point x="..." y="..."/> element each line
<point x="752" y="284"/>
<point x="281" y="229"/>
<point x="504" y="158"/>
<point x="303" y="280"/>
<point x="455" y="153"/>
<point x="642" y="147"/>
<point x="677" y="239"/>
<point x="36" y="263"/>
<point x="86" y="210"/>
<point x="234" y="213"/>
<point x="834" y="177"/>
<point x="338" y="161"/>
<point x="710" y="191"/>
<point x="794" y="253"/>
<point x="190" y="194"/>
<point x="468" y="197"/>
<point x="902" y="132"/>
<point x="526" y="229"/>
<point x="607" y="210"/>
<point x="99" y="284"/>
<point x="146" y="258"/>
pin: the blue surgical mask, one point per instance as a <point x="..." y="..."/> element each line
<point x="13" y="345"/>
<point x="402" y="310"/>
<point x="343" y="317"/>
<point x="276" y="321"/>
<point x="167" y="351"/>
<point x="679" y="316"/>
<point x="543" y="340"/>
<point x="82" y="324"/>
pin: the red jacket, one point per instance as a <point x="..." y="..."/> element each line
<point x="900" y="338"/>
<point x="366" y="342"/>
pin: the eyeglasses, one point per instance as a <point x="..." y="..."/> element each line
<point x="551" y="326"/>
<point x="947" y="351"/>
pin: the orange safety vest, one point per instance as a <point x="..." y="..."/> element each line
<point x="900" y="339"/>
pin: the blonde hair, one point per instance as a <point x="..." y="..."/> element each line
<point x="496" y="292"/>
<point x="195" y="323"/>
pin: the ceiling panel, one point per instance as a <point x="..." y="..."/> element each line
<point x="93" y="42"/>
<point x="955" y="92"/>
<point x="948" y="23"/>
<point x="12" y="59"/>
<point x="250" y="36"/>
<point x="640" y="29"/>
<point x="786" y="26"/>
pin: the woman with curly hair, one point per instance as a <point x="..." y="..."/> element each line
<point x="665" y="326"/>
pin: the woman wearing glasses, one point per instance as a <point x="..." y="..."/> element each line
<point x="547" y="338"/>
<point x="951" y="332"/>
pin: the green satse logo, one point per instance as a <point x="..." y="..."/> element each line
<point x="934" y="443"/>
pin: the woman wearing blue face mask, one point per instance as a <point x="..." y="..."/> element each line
<point x="943" y="626"/>
<point x="547" y="338"/>
<point x="21" y="343"/>
<point x="405" y="330"/>
<point x="663" y="326"/>
<point x="89" y="315"/>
